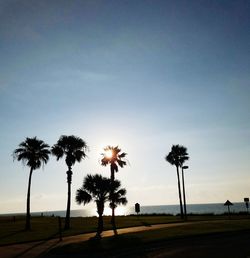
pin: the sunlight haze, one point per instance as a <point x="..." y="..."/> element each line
<point x="142" y="75"/>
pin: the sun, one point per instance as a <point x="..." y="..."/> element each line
<point x="108" y="154"/>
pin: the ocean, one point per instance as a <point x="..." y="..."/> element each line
<point x="216" y="208"/>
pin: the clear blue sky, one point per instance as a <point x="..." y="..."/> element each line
<point x="139" y="74"/>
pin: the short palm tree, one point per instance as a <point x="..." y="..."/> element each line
<point x="96" y="188"/>
<point x="74" y="149"/>
<point x="177" y="156"/>
<point x="119" y="195"/>
<point x="33" y="153"/>
<point x="114" y="157"/>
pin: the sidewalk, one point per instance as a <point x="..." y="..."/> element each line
<point x="34" y="249"/>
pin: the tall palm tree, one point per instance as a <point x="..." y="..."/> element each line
<point x="33" y="153"/>
<point x="74" y="149"/>
<point x="177" y="156"/>
<point x="114" y="157"/>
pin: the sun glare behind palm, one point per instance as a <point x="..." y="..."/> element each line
<point x="108" y="154"/>
<point x="120" y="211"/>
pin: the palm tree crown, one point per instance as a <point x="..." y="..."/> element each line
<point x="177" y="156"/>
<point x="95" y="187"/>
<point x="32" y="152"/>
<point x="115" y="159"/>
<point x="72" y="147"/>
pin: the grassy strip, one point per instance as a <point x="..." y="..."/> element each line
<point x="139" y="239"/>
<point x="11" y="231"/>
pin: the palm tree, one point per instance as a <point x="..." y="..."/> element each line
<point x="97" y="188"/>
<point x="177" y="156"/>
<point x="112" y="156"/>
<point x="74" y="149"/>
<point x="118" y="195"/>
<point x="33" y="153"/>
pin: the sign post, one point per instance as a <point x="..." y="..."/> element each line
<point x="137" y="208"/>
<point x="246" y="200"/>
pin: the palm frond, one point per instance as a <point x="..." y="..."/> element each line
<point x="83" y="197"/>
<point x="114" y="166"/>
<point x="116" y="185"/>
<point x="119" y="195"/>
<point x="121" y="163"/>
<point x="57" y="151"/>
<point x="123" y="155"/>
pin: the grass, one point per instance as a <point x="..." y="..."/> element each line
<point x="11" y="231"/>
<point x="48" y="227"/>
<point x="139" y="239"/>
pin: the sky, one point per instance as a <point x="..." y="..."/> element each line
<point x="143" y="75"/>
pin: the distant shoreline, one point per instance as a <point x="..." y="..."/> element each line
<point x="216" y="208"/>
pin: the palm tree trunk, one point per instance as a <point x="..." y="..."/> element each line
<point x="184" y="195"/>
<point x="179" y="189"/>
<point x="100" y="209"/>
<point x="112" y="200"/>
<point x="100" y="225"/>
<point x="27" y="225"/>
<point x="69" y="180"/>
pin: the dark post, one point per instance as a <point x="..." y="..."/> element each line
<point x="60" y="228"/>
<point x="137" y="208"/>
<point x="246" y="200"/>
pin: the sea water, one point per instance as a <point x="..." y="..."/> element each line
<point x="215" y="208"/>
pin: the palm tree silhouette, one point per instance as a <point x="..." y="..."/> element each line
<point x="33" y="153"/>
<point x="118" y="195"/>
<point x="112" y="156"/>
<point x="95" y="187"/>
<point x="177" y="156"/>
<point x="74" y="149"/>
